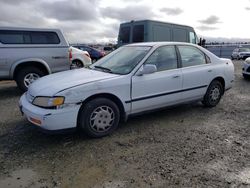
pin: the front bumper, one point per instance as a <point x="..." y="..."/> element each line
<point x="244" y="56"/>
<point x="48" y="119"/>
<point x="246" y="68"/>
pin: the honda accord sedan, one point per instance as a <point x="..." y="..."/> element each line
<point x="133" y="79"/>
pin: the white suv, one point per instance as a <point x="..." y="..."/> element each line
<point x="27" y="54"/>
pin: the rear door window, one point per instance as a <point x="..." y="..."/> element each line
<point x="191" y="56"/>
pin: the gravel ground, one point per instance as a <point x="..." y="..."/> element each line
<point x="185" y="146"/>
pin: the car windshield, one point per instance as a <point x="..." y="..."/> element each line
<point x="121" y="61"/>
<point x="244" y="50"/>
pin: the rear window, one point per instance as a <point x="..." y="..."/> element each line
<point x="124" y="34"/>
<point x="28" y="37"/>
<point x="107" y="48"/>
<point x="138" y="33"/>
<point x="244" y="50"/>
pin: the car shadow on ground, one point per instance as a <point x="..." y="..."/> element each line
<point x="8" y="90"/>
<point x="172" y="113"/>
<point x="24" y="134"/>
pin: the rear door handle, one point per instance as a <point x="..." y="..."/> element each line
<point x="59" y="57"/>
<point x="210" y="71"/>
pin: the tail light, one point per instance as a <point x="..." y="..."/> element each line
<point x="87" y="55"/>
<point x="103" y="53"/>
<point x="70" y="54"/>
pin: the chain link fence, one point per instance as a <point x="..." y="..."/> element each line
<point x="224" y="50"/>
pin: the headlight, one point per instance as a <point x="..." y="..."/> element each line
<point x="247" y="60"/>
<point x="48" y="102"/>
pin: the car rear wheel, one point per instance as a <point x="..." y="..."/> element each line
<point x="99" y="117"/>
<point x="27" y="76"/>
<point x="213" y="94"/>
<point x="78" y="64"/>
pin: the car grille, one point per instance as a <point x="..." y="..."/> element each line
<point x="29" y="97"/>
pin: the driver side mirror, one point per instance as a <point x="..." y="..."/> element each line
<point x="147" y="69"/>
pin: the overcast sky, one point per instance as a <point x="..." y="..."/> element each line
<point x="98" y="20"/>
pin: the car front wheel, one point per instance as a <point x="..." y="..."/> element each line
<point x="246" y="76"/>
<point x="213" y="94"/>
<point x="99" y="117"/>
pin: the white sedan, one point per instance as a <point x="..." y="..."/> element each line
<point x="79" y="58"/>
<point x="132" y="79"/>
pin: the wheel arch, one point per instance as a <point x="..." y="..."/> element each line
<point x="221" y="80"/>
<point x="78" y="59"/>
<point x="42" y="65"/>
<point x="110" y="96"/>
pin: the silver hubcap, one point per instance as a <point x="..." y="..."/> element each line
<point x="29" y="78"/>
<point x="102" y="119"/>
<point x="79" y="64"/>
<point x="215" y="94"/>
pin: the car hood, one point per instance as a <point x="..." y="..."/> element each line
<point x="54" y="83"/>
<point x="244" y="53"/>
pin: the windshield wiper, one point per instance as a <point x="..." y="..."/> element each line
<point x="103" y="68"/>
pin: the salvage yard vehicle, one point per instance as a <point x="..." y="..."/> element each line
<point x="27" y="54"/>
<point x="240" y="53"/>
<point x="79" y="58"/>
<point x="95" y="54"/>
<point x="132" y="79"/>
<point x="153" y="31"/>
<point x="246" y="68"/>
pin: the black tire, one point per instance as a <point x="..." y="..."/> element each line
<point x="232" y="57"/>
<point x="246" y="76"/>
<point x="23" y="73"/>
<point x="78" y="64"/>
<point x="99" y="117"/>
<point x="213" y="94"/>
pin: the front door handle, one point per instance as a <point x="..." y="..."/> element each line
<point x="176" y="76"/>
<point x="210" y="71"/>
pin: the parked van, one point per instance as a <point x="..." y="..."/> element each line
<point x="27" y="54"/>
<point x="150" y="31"/>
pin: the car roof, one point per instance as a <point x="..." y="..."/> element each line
<point x="160" y="44"/>
<point x="84" y="45"/>
<point x="28" y="29"/>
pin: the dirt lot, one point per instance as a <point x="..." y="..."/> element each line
<point x="185" y="146"/>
